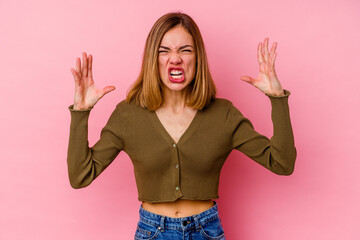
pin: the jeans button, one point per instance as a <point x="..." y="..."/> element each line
<point x="184" y="223"/>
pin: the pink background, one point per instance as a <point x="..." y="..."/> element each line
<point x="318" y="61"/>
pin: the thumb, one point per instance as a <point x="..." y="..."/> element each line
<point x="248" y="79"/>
<point x="106" y="90"/>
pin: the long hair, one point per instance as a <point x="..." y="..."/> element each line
<point x="147" y="91"/>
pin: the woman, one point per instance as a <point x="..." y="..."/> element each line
<point x="176" y="132"/>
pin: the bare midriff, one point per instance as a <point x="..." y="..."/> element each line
<point x="179" y="208"/>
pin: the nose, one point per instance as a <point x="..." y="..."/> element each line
<point x="175" y="58"/>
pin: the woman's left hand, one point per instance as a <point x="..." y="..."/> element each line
<point x="267" y="81"/>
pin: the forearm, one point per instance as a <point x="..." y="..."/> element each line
<point x="283" y="151"/>
<point x="79" y="154"/>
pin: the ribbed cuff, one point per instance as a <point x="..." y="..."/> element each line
<point x="71" y="108"/>
<point x="286" y="92"/>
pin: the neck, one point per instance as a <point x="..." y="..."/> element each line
<point x="174" y="100"/>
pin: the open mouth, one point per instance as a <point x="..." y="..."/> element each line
<point x="176" y="75"/>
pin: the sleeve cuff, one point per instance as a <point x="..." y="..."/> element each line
<point x="286" y="92"/>
<point x="71" y="108"/>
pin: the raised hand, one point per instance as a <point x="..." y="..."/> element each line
<point x="267" y="81"/>
<point x="86" y="93"/>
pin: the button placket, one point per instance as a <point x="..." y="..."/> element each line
<point x="177" y="186"/>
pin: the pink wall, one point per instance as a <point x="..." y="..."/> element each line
<point x="318" y="61"/>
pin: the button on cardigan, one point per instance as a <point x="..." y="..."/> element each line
<point x="189" y="169"/>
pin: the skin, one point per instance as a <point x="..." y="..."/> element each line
<point x="173" y="113"/>
<point x="267" y="81"/>
<point x="86" y="93"/>
<point x="176" y="50"/>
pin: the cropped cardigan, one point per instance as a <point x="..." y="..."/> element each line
<point x="189" y="169"/>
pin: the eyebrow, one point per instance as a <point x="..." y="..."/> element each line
<point x="180" y="48"/>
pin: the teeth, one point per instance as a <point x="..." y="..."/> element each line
<point x="175" y="72"/>
<point x="176" y="76"/>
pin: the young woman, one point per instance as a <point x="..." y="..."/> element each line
<point x="176" y="132"/>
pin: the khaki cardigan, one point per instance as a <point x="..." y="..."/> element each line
<point x="190" y="169"/>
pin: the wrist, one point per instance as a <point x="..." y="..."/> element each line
<point x="76" y="107"/>
<point x="277" y="94"/>
<point x="80" y="108"/>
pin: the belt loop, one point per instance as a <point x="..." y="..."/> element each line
<point x="162" y="224"/>
<point x="197" y="224"/>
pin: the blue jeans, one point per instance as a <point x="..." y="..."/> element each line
<point x="202" y="226"/>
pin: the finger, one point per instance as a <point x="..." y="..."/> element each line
<point x="85" y="65"/>
<point x="262" y="48"/>
<point x="273" y="48"/>
<point x="259" y="54"/>
<point x="90" y="66"/>
<point x="78" y="65"/>
<point x="266" y="49"/>
<point x="272" y="59"/>
<point x="76" y="77"/>
<point x="272" y="53"/>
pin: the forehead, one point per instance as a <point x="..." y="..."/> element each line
<point x="176" y="37"/>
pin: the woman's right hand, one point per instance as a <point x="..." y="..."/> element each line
<point x="86" y="93"/>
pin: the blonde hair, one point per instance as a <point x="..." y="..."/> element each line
<point x="147" y="89"/>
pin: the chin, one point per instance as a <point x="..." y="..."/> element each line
<point x="177" y="87"/>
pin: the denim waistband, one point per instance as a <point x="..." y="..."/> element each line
<point x="181" y="223"/>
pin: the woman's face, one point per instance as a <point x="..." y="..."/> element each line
<point x="177" y="59"/>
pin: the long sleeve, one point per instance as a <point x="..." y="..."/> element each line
<point x="277" y="154"/>
<point x="85" y="163"/>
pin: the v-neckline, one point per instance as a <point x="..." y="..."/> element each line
<point x="187" y="133"/>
